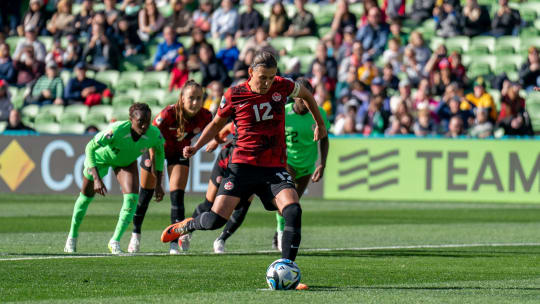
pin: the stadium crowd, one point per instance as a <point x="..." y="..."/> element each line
<point x="385" y="69"/>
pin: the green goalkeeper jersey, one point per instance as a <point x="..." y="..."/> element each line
<point x="115" y="147"/>
<point x="302" y="151"/>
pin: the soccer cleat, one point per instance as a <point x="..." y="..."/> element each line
<point x="219" y="246"/>
<point x="174" y="249"/>
<point x="184" y="241"/>
<point x="279" y="240"/>
<point x="175" y="231"/>
<point x="71" y="245"/>
<point x="135" y="243"/>
<point x="274" y="241"/>
<point x="114" y="247"/>
<point x="302" y="286"/>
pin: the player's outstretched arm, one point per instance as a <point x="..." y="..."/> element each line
<point x="207" y="135"/>
<point x="319" y="171"/>
<point x="320" y="128"/>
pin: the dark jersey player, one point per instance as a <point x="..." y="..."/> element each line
<point x="258" y="159"/>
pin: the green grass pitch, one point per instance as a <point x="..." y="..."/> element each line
<point x="351" y="252"/>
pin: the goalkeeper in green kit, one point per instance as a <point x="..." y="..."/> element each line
<point x="118" y="147"/>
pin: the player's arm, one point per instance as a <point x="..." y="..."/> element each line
<point x="319" y="171"/>
<point x="159" y="158"/>
<point x="220" y="138"/>
<point x="309" y="101"/>
<point x="208" y="134"/>
<point x="100" y="140"/>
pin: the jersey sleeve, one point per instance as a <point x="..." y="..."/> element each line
<point x="225" y="106"/>
<point x="102" y="139"/>
<point x="163" y="119"/>
<point x="290" y="87"/>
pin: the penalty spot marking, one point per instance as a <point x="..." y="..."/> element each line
<point x="51" y="257"/>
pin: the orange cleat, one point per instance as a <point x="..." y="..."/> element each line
<point x="175" y="230"/>
<point x="302" y="286"/>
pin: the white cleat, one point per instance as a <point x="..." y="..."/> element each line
<point x="71" y="245"/>
<point x="175" y="249"/>
<point x="279" y="240"/>
<point x="219" y="246"/>
<point x="114" y="247"/>
<point x="135" y="243"/>
<point x="184" y="242"/>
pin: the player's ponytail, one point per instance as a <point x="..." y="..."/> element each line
<point x="180" y="107"/>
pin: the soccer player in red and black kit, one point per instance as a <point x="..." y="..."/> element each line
<point x="178" y="124"/>
<point x="258" y="159"/>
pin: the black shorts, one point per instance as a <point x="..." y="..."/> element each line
<point x="174" y="160"/>
<point x="266" y="182"/>
<point x="218" y="173"/>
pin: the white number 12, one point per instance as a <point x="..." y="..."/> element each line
<point x="263" y="106"/>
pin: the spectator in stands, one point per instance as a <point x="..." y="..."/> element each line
<point x="224" y="20"/>
<point x="379" y="88"/>
<point x="343" y="19"/>
<point x="422" y="10"/>
<point x="401" y="124"/>
<point x="394" y="8"/>
<point x="5" y="101"/>
<point x="48" y="89"/>
<point x="424" y="100"/>
<point x="323" y="98"/>
<point x="81" y="89"/>
<point x="167" y="51"/>
<point x="506" y="20"/>
<point x="62" y="22"/>
<point x="130" y="9"/>
<point x="368" y="5"/>
<point x="346" y="122"/>
<point x="476" y="19"/>
<point x="212" y="69"/>
<point x="319" y="76"/>
<point x="367" y="71"/>
<point x="15" y="123"/>
<point x="480" y="99"/>
<point x="151" y="21"/>
<point x="278" y="22"/>
<point x="215" y="93"/>
<point x="404" y="96"/>
<point x="372" y="119"/>
<point x="101" y="20"/>
<point x="7" y="71"/>
<point x="411" y="67"/>
<point x="441" y="78"/>
<point x="529" y="74"/>
<point x="249" y="20"/>
<point x="448" y="20"/>
<point x="101" y="51"/>
<point x="449" y="106"/>
<point x="396" y="32"/>
<point x="374" y="33"/>
<point x="30" y="39"/>
<point x="346" y="48"/>
<point x="202" y="17"/>
<point x="511" y="103"/>
<point x="127" y="39"/>
<point x="422" y="52"/>
<point x="83" y="20"/>
<point x="181" y="19"/>
<point x="28" y="69"/>
<point x="424" y="124"/>
<point x="518" y="124"/>
<point x="110" y="12"/>
<point x="458" y="69"/>
<point x="56" y="54"/>
<point x="241" y="66"/>
<point x="303" y="22"/>
<point x="455" y="127"/>
<point x="354" y="60"/>
<point x="391" y="81"/>
<point x="229" y="54"/>
<point x="394" y="55"/>
<point x="73" y="52"/>
<point x="90" y="130"/>
<point x="482" y="127"/>
<point x="321" y="57"/>
<point x="179" y="73"/>
<point x="258" y="43"/>
<point x="35" y="17"/>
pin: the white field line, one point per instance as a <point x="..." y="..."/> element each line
<point x="50" y="257"/>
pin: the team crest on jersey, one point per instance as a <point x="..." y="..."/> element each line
<point x="223" y="102"/>
<point x="228" y="185"/>
<point x="159" y="120"/>
<point x="276" y="97"/>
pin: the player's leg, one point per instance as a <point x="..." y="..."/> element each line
<point x="148" y="183"/>
<point x="178" y="176"/>
<point x="234" y="222"/>
<point x="128" y="178"/>
<point x="79" y="210"/>
<point x="208" y="200"/>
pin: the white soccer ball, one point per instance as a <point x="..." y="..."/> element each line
<point x="283" y="274"/>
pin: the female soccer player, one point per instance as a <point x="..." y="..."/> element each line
<point x="178" y="123"/>
<point x="258" y="159"/>
<point x="118" y="147"/>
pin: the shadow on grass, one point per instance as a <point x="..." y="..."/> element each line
<point x="434" y="288"/>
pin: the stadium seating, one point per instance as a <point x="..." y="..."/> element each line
<point x="305" y="45"/>
<point x="55" y="110"/>
<point x="154" y="80"/>
<point x="282" y="43"/>
<point x="105" y="111"/>
<point x="47" y="127"/>
<point x="129" y="80"/>
<point x="78" y="109"/>
<point x="109" y="77"/>
<point x="72" y="128"/>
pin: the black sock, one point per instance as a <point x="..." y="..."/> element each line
<point x="207" y="221"/>
<point x="237" y="218"/>
<point x="292" y="232"/>
<point x="177" y="206"/>
<point x="145" y="195"/>
<point x="203" y="207"/>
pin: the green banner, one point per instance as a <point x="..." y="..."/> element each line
<point x="433" y="170"/>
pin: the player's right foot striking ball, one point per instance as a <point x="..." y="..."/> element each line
<point x="71" y="245"/>
<point x="114" y="247"/>
<point x="175" y="231"/>
<point x="135" y="243"/>
<point x="219" y="246"/>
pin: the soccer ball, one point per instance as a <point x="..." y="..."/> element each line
<point x="283" y="274"/>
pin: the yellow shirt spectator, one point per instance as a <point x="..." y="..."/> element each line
<point x="480" y="99"/>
